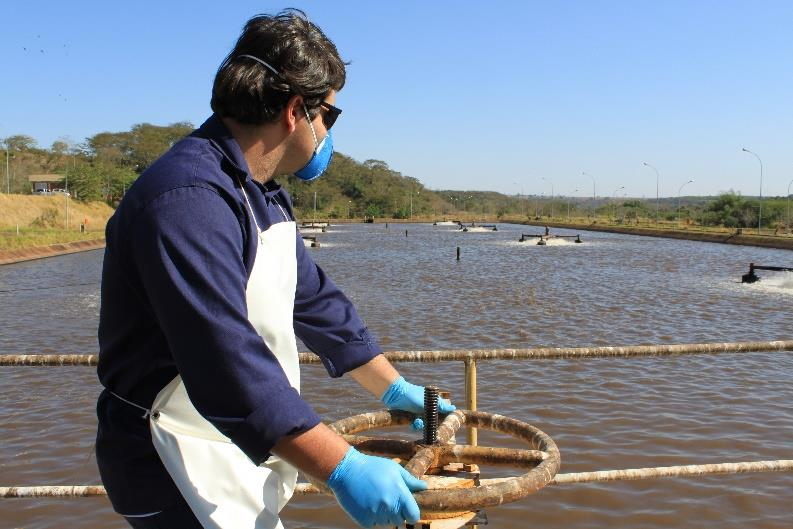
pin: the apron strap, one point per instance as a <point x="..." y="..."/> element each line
<point x="250" y="208"/>
<point x="146" y="410"/>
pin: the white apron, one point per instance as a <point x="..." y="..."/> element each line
<point x="224" y="489"/>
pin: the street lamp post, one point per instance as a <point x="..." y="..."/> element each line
<point x="760" y="210"/>
<point x="788" y="205"/>
<point x="453" y="200"/>
<point x="613" y="206"/>
<point x="657" y="191"/>
<point x="593" y="191"/>
<point x="622" y="207"/>
<point x="520" y="201"/>
<point x="568" y="205"/>
<point x="465" y="202"/>
<point x="67" y="194"/>
<point x="411" y="203"/>
<point x="551" y="208"/>
<point x="8" y="178"/>
<point x="678" y="199"/>
<point x="349" y="204"/>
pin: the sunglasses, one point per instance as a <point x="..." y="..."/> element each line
<point x="330" y="115"/>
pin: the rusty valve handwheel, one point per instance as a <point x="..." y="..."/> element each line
<point x="542" y="460"/>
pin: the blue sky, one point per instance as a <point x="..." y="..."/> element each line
<point x="505" y="96"/>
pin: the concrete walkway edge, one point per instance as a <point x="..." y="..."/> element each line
<point x="42" y="252"/>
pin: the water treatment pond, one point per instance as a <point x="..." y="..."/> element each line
<point x="603" y="413"/>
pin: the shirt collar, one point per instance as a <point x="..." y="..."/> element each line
<point x="216" y="132"/>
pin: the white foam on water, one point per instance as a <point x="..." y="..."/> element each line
<point x="778" y="282"/>
<point x="549" y="242"/>
<point x="323" y="245"/>
<point x="558" y="242"/>
<point x="477" y="229"/>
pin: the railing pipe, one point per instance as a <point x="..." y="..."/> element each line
<point x="451" y="355"/>
<point x="781" y="465"/>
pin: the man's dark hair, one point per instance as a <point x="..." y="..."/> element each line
<point x="307" y="61"/>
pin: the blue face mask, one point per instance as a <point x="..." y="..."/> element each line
<point x="320" y="159"/>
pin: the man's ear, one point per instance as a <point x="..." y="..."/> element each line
<point x="293" y="112"/>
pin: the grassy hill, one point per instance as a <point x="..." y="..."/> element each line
<point x="28" y="220"/>
<point x="30" y="211"/>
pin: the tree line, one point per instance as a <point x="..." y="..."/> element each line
<point x="100" y="168"/>
<point x="106" y="164"/>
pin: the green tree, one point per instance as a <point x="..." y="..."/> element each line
<point x="137" y="148"/>
<point x="20" y="142"/>
<point x="147" y="142"/>
<point x="373" y="210"/>
<point x="59" y="147"/>
<point x="729" y="210"/>
<point x="86" y="182"/>
<point x="100" y="181"/>
<point x="108" y="147"/>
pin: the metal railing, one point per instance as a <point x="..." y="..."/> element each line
<point x="470" y="357"/>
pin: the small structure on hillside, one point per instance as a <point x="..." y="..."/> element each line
<point x="45" y="183"/>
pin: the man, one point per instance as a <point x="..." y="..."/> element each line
<point x="205" y="285"/>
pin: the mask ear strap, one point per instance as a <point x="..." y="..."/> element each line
<point x="263" y="63"/>
<point x="316" y="143"/>
<point x="276" y="72"/>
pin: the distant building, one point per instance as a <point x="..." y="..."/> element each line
<point x="45" y="183"/>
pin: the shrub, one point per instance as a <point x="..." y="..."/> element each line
<point x="47" y="219"/>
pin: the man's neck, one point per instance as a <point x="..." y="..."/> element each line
<point x="260" y="152"/>
<point x="261" y="166"/>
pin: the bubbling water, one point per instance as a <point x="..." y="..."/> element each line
<point x="775" y="282"/>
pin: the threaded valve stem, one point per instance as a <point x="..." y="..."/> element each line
<point x="430" y="415"/>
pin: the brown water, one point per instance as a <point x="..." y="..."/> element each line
<point x="603" y="413"/>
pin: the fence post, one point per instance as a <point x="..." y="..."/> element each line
<point x="470" y="395"/>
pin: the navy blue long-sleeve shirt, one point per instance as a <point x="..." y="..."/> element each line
<point x="180" y="249"/>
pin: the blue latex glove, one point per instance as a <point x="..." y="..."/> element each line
<point x="375" y="491"/>
<point x="402" y="395"/>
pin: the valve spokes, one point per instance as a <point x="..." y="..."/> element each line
<point x="542" y="459"/>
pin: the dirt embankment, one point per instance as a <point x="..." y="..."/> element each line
<point x="38" y="226"/>
<point x="743" y="239"/>
<point x="40" y="252"/>
<point x="28" y="210"/>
